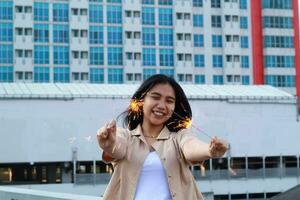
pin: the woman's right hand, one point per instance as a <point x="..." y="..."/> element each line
<point x="107" y="134"/>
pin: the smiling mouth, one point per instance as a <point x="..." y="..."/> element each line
<point x="157" y="113"/>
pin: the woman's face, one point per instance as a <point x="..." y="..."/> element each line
<point x="159" y="104"/>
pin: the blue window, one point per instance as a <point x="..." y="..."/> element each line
<point x="216" y="3"/>
<point x="96" y="56"/>
<point x="216" y="21"/>
<point x="199" y="79"/>
<point x="115" y="56"/>
<point x="149" y="57"/>
<point x="243" y="22"/>
<point x="217" y="41"/>
<point x="167" y="72"/>
<point x="61" y="74"/>
<point x="197" y="3"/>
<point x="278" y="41"/>
<point x="60" y="33"/>
<point x="6" y="54"/>
<point x="115" y="75"/>
<point x="6" y="10"/>
<point x="148" y="2"/>
<point x="198" y="40"/>
<point x="96" y="75"/>
<point x="41" y="11"/>
<point x="96" y="35"/>
<point x="41" y="33"/>
<point x="280" y="80"/>
<point x="97" y="1"/>
<point x="243" y="4"/>
<point x="244" y="42"/>
<point x="6" y="32"/>
<point x="166" y="57"/>
<point x="277" y="4"/>
<point x="41" y="74"/>
<point x="148" y="72"/>
<point x="6" y="74"/>
<point x="279" y="61"/>
<point x="277" y="22"/>
<point x="148" y="16"/>
<point x="166" y="37"/>
<point x="114" y="1"/>
<point x="114" y="14"/>
<point x="199" y="60"/>
<point x="61" y="55"/>
<point x="41" y="54"/>
<point x="165" y="2"/>
<point x="165" y="16"/>
<point x="245" y="80"/>
<point x="114" y="35"/>
<point x="245" y="61"/>
<point x="95" y="13"/>
<point x="198" y="20"/>
<point x="217" y="61"/>
<point x="218" y="80"/>
<point x="60" y="12"/>
<point x="148" y="36"/>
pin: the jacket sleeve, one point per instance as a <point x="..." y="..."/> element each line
<point x="193" y="149"/>
<point x="112" y="152"/>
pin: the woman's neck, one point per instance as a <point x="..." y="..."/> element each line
<point x="151" y="130"/>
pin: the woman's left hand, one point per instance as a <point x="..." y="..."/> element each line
<point x="217" y="147"/>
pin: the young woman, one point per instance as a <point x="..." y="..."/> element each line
<point x="151" y="157"/>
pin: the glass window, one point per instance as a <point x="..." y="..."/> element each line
<point x="198" y="40"/>
<point x="115" y="56"/>
<point x="60" y="12"/>
<point x="148" y="16"/>
<point x="148" y="36"/>
<point x="41" y="33"/>
<point x="216" y="21"/>
<point x="218" y="80"/>
<point x="149" y="57"/>
<point x="165" y="16"/>
<point x="96" y="56"/>
<point x="115" y="75"/>
<point x="277" y="4"/>
<point x="96" y="34"/>
<point x="243" y="22"/>
<point x="199" y="79"/>
<point x="41" y="11"/>
<point x="243" y="4"/>
<point x="245" y="80"/>
<point x="6" y="74"/>
<point x="148" y="72"/>
<point x="6" y="10"/>
<point x="61" y="74"/>
<point x="244" y="42"/>
<point x="165" y="2"/>
<point x="61" y="55"/>
<point x="166" y="57"/>
<point x="245" y="61"/>
<point x="167" y="72"/>
<point x="114" y="14"/>
<point x="217" y="41"/>
<point x="198" y="20"/>
<point x="199" y="60"/>
<point x="114" y="35"/>
<point x="60" y="33"/>
<point x="197" y="3"/>
<point x="41" y="74"/>
<point x="96" y="75"/>
<point x="41" y="54"/>
<point x="148" y="2"/>
<point x="6" y="32"/>
<point x="166" y="37"/>
<point x="95" y="13"/>
<point x="217" y="61"/>
<point x="216" y="3"/>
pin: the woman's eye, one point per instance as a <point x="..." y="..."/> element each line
<point x="155" y="97"/>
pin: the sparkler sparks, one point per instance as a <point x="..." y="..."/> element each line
<point x="135" y="107"/>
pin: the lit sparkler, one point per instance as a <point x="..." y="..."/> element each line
<point x="135" y="107"/>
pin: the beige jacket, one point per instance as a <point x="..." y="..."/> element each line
<point x="131" y="150"/>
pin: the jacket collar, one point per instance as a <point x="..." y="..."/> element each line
<point x="163" y="135"/>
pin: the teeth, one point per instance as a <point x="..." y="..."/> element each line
<point x="158" y="113"/>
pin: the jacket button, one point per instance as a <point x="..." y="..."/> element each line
<point x="174" y="194"/>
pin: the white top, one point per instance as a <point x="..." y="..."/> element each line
<point x="153" y="183"/>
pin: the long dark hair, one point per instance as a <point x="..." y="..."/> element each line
<point x="182" y="107"/>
